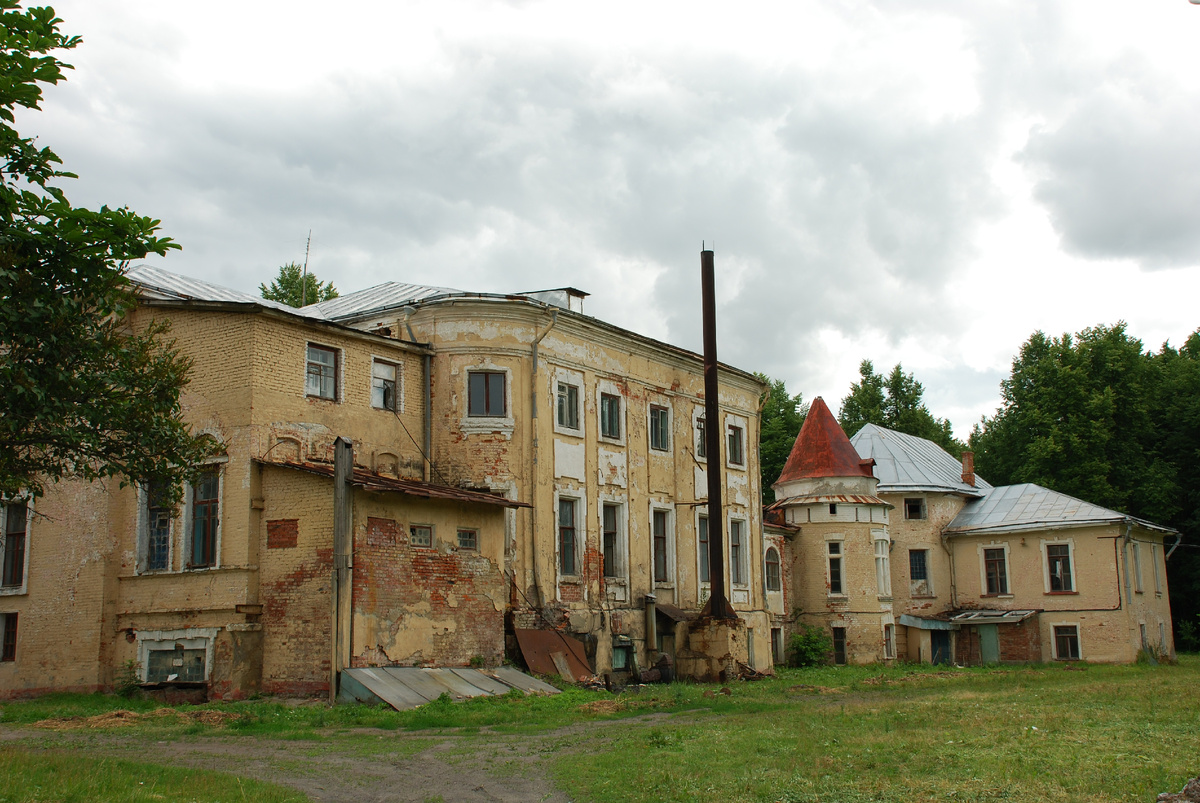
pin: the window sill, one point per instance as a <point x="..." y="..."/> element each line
<point x="923" y="596"/>
<point x="13" y="591"/>
<point x="311" y="397"/>
<point x="1062" y="593"/>
<point x="657" y="450"/>
<point x="577" y="432"/>
<point x="473" y="425"/>
<point x="996" y="596"/>
<point x="612" y="441"/>
<point x="667" y="584"/>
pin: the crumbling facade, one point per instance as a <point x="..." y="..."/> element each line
<point x="516" y="464"/>
<point x="904" y="553"/>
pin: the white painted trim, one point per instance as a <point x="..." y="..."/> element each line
<point x="192" y="638"/>
<point x="566" y="376"/>
<point x="1070" y="544"/>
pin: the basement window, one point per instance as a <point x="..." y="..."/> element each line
<point x="1066" y="642"/>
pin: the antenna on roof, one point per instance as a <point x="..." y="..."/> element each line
<point x="304" y="274"/>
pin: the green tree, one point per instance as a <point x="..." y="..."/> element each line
<point x="291" y="287"/>
<point x="896" y="402"/>
<point x="84" y="393"/>
<point x="779" y="424"/>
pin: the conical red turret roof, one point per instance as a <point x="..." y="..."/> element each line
<point x="823" y="450"/>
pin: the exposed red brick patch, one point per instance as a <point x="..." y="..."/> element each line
<point x="282" y="533"/>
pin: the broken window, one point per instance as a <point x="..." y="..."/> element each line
<point x="610" y="416"/>
<point x="610" y="516"/>
<point x="468" y="539"/>
<point x="16" y="522"/>
<point x="889" y="641"/>
<point x="177" y="662"/>
<point x="566" y="537"/>
<point x="918" y="573"/>
<point x="420" y="535"/>
<point x="737" y="553"/>
<point x="735" y="447"/>
<point x="777" y="656"/>
<point x="702" y="528"/>
<point x="662" y="573"/>
<point x="485" y="392"/>
<point x="701" y="438"/>
<point x="1066" y="642"/>
<point x="660" y="428"/>
<point x="205" y="518"/>
<point x="836" y="578"/>
<point x="833" y="509"/>
<point x="383" y="385"/>
<point x="158" y="513"/>
<point x="839" y="645"/>
<point x="8" y="646"/>
<point x="914" y="508"/>
<point x="773" y="574"/>
<point x="995" y="571"/>
<point x="1058" y="558"/>
<point x="321" y="374"/>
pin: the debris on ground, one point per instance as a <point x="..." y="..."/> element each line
<point x="121" y="717"/>
<point x="1189" y="794"/>
<point x="747" y="672"/>
<point x="805" y="687"/>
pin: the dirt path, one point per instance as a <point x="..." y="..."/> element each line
<point x="359" y="767"/>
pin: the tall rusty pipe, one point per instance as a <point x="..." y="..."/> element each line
<point x="712" y="441"/>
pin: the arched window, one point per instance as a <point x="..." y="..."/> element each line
<point x="773" y="583"/>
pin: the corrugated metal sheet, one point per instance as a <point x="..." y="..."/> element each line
<point x="404" y="687"/>
<point x="549" y="652"/>
<point x="991" y="617"/>
<point x="162" y="285"/>
<point x="380" y="297"/>
<point x="1015" y="508"/>
<point x="908" y="463"/>
<point x="379" y="484"/>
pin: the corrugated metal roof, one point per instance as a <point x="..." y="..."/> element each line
<point x="1016" y="508"/>
<point x="991" y="617"/>
<point x="162" y="285"/>
<point x="375" y="482"/>
<point x="908" y="463"/>
<point x="380" y="297"/>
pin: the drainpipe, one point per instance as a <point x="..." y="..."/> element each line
<point x="1178" y="541"/>
<point x="428" y="417"/>
<point x="651" y="629"/>
<point x="533" y="452"/>
<point x="953" y="574"/>
<point x="341" y="585"/>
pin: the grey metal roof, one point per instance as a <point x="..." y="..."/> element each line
<point x="908" y="463"/>
<point x="162" y="285"/>
<point x="991" y="617"/>
<point x="380" y="297"/>
<point x="1018" y="508"/>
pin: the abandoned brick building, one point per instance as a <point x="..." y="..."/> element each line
<point x="517" y="464"/>
<point x="903" y="552"/>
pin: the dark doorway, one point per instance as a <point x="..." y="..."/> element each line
<point x="940" y="641"/>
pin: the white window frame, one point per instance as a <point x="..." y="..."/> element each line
<point x="658" y="507"/>
<point x="1008" y="578"/>
<point x="651" y="406"/>
<point x="397" y="381"/>
<point x="744" y="580"/>
<point x="486" y="423"/>
<point x="883" y="562"/>
<point x="580" y="524"/>
<point x="605" y="387"/>
<point x="767" y="574"/>
<point x="338" y="363"/>
<point x="192" y="638"/>
<point x="1069" y="543"/>
<point x="564" y="378"/>
<point x="889" y="640"/>
<point x="702" y="550"/>
<point x="840" y="540"/>
<point x="143" y="532"/>
<point x="23" y="588"/>
<point x="1054" y="640"/>
<point x="620" y="574"/>
<point x="740" y="423"/>
<point x="188" y="527"/>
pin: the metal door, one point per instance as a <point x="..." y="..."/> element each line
<point x="989" y="644"/>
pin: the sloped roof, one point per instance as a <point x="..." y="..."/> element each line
<point x="162" y="285"/>
<point x="908" y="463"/>
<point x="380" y="297"/>
<point x="1017" y="508"/>
<point x="822" y="449"/>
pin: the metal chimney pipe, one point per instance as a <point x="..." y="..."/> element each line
<point x="712" y="443"/>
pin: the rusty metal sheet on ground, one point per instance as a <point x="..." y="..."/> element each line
<point x="519" y="680"/>
<point x="458" y="687"/>
<point x="417" y="680"/>
<point x="539" y="646"/>
<point x="481" y="679"/>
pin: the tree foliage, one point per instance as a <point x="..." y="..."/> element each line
<point x="1098" y="417"/>
<point x="895" y="402"/>
<point x="291" y="287"/>
<point x="779" y="424"/>
<point x="84" y="394"/>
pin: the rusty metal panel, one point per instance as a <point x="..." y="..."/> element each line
<point x="540" y="646"/>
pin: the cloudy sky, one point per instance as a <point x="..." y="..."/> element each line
<point x="919" y="182"/>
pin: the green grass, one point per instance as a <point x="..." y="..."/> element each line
<point x="906" y="733"/>
<point x="31" y="776"/>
